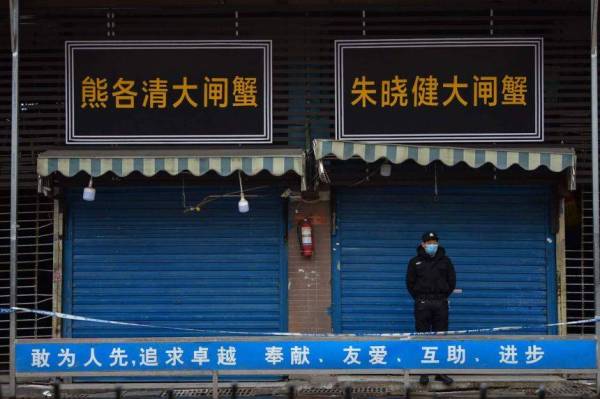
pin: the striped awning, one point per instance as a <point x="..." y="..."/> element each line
<point x="555" y="159"/>
<point x="173" y="161"/>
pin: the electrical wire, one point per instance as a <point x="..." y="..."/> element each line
<point x="366" y="178"/>
<point x="213" y="197"/>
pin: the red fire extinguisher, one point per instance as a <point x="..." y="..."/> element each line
<point x="305" y="238"/>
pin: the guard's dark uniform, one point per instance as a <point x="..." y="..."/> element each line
<point x="430" y="281"/>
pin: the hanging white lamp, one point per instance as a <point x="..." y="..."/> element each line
<point x="243" y="205"/>
<point x="89" y="192"/>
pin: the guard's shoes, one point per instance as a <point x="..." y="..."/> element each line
<point x="424" y="380"/>
<point x="444" y="379"/>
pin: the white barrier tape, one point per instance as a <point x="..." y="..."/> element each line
<point x="291" y="334"/>
<point x="123" y="323"/>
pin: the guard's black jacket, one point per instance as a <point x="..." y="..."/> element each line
<point x="430" y="277"/>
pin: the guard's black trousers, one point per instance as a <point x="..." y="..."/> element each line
<point x="431" y="315"/>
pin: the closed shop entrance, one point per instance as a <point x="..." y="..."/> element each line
<point x="499" y="239"/>
<point x="134" y="255"/>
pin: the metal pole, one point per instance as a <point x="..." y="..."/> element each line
<point x="14" y="163"/>
<point x="596" y="214"/>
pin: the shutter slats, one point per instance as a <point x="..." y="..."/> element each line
<point x="137" y="257"/>
<point x="496" y="240"/>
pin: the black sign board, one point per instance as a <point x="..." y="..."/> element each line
<point x="440" y="90"/>
<point x="180" y="92"/>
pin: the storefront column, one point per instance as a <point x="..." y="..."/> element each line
<point x="561" y="268"/>
<point x="309" y="279"/>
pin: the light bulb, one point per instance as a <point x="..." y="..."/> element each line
<point x="89" y="193"/>
<point x="385" y="170"/>
<point x="243" y="205"/>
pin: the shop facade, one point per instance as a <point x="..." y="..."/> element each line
<point x="501" y="235"/>
<point x="164" y="242"/>
<point x="502" y="232"/>
<point x="175" y="252"/>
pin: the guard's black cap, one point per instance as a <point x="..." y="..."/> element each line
<point x="428" y="236"/>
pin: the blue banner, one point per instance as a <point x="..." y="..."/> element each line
<point x="66" y="357"/>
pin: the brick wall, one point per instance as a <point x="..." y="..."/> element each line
<point x="309" y="279"/>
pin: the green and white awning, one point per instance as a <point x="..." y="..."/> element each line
<point x="172" y="161"/>
<point x="555" y="159"/>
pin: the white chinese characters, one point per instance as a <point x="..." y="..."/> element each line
<point x="351" y="355"/>
<point x="66" y="358"/>
<point x="174" y="355"/>
<point x="92" y="359"/>
<point x="377" y="354"/>
<point x="456" y="354"/>
<point x="201" y="356"/>
<point x="274" y="354"/>
<point x="148" y="357"/>
<point x="429" y="355"/>
<point x="534" y="354"/>
<point x="510" y="355"/>
<point x="226" y="356"/>
<point x="40" y="358"/>
<point x="308" y="355"/>
<point x="119" y="357"/>
<point x="299" y="356"/>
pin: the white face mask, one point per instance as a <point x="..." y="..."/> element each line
<point x="431" y="249"/>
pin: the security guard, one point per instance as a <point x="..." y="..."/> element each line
<point x="430" y="279"/>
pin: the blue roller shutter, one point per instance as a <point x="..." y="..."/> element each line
<point x="133" y="255"/>
<point x="498" y="238"/>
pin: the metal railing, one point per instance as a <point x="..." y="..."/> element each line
<point x="484" y="391"/>
<point x="580" y="269"/>
<point x="34" y="273"/>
